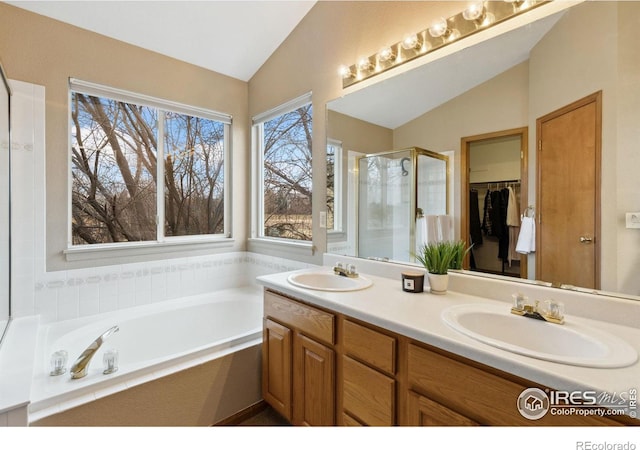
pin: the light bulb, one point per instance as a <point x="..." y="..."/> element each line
<point x="438" y="28"/>
<point x="410" y="42"/>
<point x="474" y="11"/>
<point x="364" y="64"/>
<point x="345" y="72"/>
<point x="386" y="54"/>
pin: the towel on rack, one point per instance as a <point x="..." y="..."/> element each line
<point x="432" y="229"/>
<point x="421" y="233"/>
<point x="527" y="238"/>
<point x="446" y="228"/>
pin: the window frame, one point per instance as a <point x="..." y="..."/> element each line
<point x="338" y="228"/>
<point x="160" y="244"/>
<point x="257" y="166"/>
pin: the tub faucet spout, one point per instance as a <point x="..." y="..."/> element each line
<point x="81" y="366"/>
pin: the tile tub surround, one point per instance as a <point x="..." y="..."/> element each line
<point x="83" y="292"/>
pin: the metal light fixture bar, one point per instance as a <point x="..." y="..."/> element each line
<point x="478" y="16"/>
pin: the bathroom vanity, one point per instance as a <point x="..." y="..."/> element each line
<point x="380" y="356"/>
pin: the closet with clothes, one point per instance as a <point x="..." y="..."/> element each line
<point x="494" y="226"/>
<point x="495" y="204"/>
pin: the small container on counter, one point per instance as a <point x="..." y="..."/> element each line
<point x="412" y="282"/>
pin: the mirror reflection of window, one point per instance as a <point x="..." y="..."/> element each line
<point x="334" y="186"/>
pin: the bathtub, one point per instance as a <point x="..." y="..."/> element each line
<point x="206" y="346"/>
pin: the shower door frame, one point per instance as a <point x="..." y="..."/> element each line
<point x="415" y="152"/>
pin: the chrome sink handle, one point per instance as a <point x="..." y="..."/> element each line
<point x="80" y="367"/>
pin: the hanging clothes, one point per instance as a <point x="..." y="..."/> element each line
<point x="513" y="223"/>
<point x="475" y="227"/>
<point x="501" y="218"/>
<point x="486" y="218"/>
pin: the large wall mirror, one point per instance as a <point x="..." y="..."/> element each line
<point x="510" y="87"/>
<point x="5" y="217"/>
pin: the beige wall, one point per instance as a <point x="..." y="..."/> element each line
<point x="46" y="52"/>
<point x="498" y="104"/>
<point x="331" y="34"/>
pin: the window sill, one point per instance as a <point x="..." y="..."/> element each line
<point x="296" y="250"/>
<point x="105" y="251"/>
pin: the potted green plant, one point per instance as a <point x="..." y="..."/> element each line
<point x="461" y="251"/>
<point x="438" y="258"/>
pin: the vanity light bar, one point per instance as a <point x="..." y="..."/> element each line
<point x="478" y="16"/>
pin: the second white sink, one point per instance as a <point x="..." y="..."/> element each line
<point x="328" y="281"/>
<point x="571" y="343"/>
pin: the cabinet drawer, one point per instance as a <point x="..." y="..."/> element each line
<point x="310" y="321"/>
<point x="480" y="395"/>
<point x="368" y="394"/>
<point x="474" y="393"/>
<point x="376" y="349"/>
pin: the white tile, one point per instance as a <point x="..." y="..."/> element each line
<point x="88" y="306"/>
<point x="108" y="288"/>
<point x="127" y="300"/>
<point x="68" y="304"/>
<point x="46" y="304"/>
<point x="108" y="303"/>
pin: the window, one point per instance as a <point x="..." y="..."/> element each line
<point x="117" y="138"/>
<point x="284" y="154"/>
<point x="334" y="185"/>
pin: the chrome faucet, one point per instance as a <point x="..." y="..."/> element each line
<point x="81" y="366"/>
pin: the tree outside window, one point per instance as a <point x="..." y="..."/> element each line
<point x="115" y="175"/>
<point x="286" y="174"/>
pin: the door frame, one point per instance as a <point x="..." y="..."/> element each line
<point x="465" y="146"/>
<point x="596" y="98"/>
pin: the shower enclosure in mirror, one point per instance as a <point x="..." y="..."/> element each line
<point x="397" y="194"/>
<point x="5" y="217"/>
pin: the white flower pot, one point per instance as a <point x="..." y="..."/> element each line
<point x="438" y="283"/>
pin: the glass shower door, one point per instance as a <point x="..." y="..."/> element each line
<point x="386" y="204"/>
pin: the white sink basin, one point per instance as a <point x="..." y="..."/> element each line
<point x="328" y="281"/>
<point x="571" y="343"/>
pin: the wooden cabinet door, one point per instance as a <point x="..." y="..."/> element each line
<point x="367" y="394"/>
<point x="426" y="412"/>
<point x="276" y="367"/>
<point x="313" y="383"/>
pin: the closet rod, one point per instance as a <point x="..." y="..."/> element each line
<point x="496" y="182"/>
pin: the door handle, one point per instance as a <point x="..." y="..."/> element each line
<point x="586" y="240"/>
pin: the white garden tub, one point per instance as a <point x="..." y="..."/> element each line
<point x="153" y="341"/>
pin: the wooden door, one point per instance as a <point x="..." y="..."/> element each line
<point x="313" y="383"/>
<point x="276" y="367"/>
<point x="568" y="210"/>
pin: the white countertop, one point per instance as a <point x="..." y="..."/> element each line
<point x="417" y="316"/>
